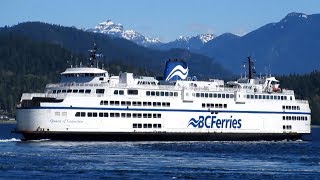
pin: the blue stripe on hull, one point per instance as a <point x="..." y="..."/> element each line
<point x="170" y="110"/>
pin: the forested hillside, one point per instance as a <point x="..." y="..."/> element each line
<point x="27" y="66"/>
<point x="116" y="49"/>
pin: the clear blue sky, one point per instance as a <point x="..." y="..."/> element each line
<point x="166" y="19"/>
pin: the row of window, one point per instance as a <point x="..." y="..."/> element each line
<point x="138" y="125"/>
<point x="146" y="83"/>
<point x="129" y="92"/>
<point x="87" y="91"/>
<point x="286" y="127"/>
<point x="291" y="107"/>
<point x="271" y="97"/>
<point x="295" y="118"/>
<point x="161" y="93"/>
<point x="208" y="105"/>
<point x="84" y="75"/>
<point x="124" y="115"/>
<point x="135" y="103"/>
<point x="213" y="95"/>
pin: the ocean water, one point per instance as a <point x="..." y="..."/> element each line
<point x="158" y="160"/>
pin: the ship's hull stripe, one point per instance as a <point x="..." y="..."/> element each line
<point x="170" y="110"/>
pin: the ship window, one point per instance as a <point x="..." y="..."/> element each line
<point x="64" y="91"/>
<point x="139" y="125"/>
<point x="158" y="103"/>
<point x="155" y="125"/>
<point x="268" y="97"/>
<point x="123" y="114"/>
<point x="89" y="114"/>
<point x="75" y="91"/>
<point x="219" y="95"/>
<point x="105" y="114"/>
<point x="271" y="97"/>
<point x="88" y="91"/>
<point x="210" y="95"/>
<point x="148" y="93"/>
<point x="154" y="116"/>
<point x="111" y="114"/>
<point x="283" y="107"/>
<point x="82" y="114"/>
<point x="224" y="105"/>
<point x="157" y="93"/>
<point x="144" y="115"/>
<point x="100" y="114"/>
<point x="128" y="115"/>
<point x="166" y="93"/>
<point x="54" y="91"/>
<point x="283" y="127"/>
<point x="159" y="115"/>
<point x="115" y="92"/>
<point x="77" y="114"/>
<point x="223" y="96"/>
<point x="197" y="94"/>
<point x="145" y="125"/>
<point x="57" y="113"/>
<point x="176" y="94"/>
<point x="149" y="103"/>
<point x="134" y="103"/>
<point x="123" y="103"/>
<point x="145" y="103"/>
<point x="132" y="92"/>
<point x="121" y="92"/>
<point x="171" y="93"/>
<point x="298" y="107"/>
<point x="283" y="118"/>
<point x="162" y="93"/>
<point x="99" y="91"/>
<point x="128" y="103"/>
<point x="149" y="125"/>
<point x="264" y="97"/>
<point x="202" y="94"/>
<point x="139" y="115"/>
<point x="134" y="125"/>
<point x="285" y="97"/>
<point x="69" y="91"/>
<point x="94" y="114"/>
<point x="117" y="114"/>
<point x="116" y="103"/>
<point x="152" y="93"/>
<point x="290" y="98"/>
<point x="248" y="96"/>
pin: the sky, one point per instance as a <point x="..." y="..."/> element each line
<point x="164" y="19"/>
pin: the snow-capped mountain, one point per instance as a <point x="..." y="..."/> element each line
<point x="192" y="43"/>
<point x="117" y="30"/>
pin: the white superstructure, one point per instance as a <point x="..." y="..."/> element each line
<point x="89" y="104"/>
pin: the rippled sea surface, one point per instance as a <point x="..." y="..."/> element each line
<point x="158" y="160"/>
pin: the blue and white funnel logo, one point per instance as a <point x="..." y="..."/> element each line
<point x="176" y="70"/>
<point x="214" y="122"/>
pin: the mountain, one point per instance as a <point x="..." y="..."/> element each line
<point x="118" y="50"/>
<point x="116" y="30"/>
<point x="288" y="46"/>
<point x="192" y="43"/>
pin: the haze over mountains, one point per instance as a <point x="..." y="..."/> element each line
<point x="288" y="46"/>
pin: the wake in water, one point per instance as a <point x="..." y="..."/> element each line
<point x="10" y="140"/>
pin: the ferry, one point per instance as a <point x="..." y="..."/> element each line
<point x="89" y="104"/>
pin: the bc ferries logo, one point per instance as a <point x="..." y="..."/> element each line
<point x="178" y="71"/>
<point x="213" y="122"/>
<point x="175" y="70"/>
